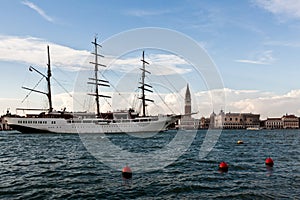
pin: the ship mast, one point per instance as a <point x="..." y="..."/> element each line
<point x="48" y="82"/>
<point x="144" y="85"/>
<point x="96" y="81"/>
<point x="48" y="77"/>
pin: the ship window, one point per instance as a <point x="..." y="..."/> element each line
<point x="40" y="122"/>
<point x="20" y="122"/>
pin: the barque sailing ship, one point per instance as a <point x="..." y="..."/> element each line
<point x="67" y="122"/>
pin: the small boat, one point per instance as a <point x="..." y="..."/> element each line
<point x="253" y="129"/>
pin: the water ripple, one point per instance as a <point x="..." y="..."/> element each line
<point x="49" y="166"/>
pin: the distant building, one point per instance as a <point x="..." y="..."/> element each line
<point x="212" y="120"/>
<point x="204" y="123"/>
<point x="290" y="121"/>
<point x="285" y="122"/>
<point x="187" y="121"/>
<point x="273" y="123"/>
<point x="187" y="101"/>
<point x="235" y="120"/>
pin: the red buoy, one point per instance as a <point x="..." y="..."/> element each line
<point x="223" y="167"/>
<point x="126" y="172"/>
<point x="269" y="162"/>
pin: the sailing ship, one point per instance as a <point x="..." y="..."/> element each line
<point x="127" y="121"/>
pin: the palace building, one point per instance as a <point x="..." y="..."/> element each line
<point x="285" y="122"/>
<point x="234" y="120"/>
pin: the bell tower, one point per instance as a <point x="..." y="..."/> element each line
<point x="188" y="105"/>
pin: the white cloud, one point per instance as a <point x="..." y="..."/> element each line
<point x="8" y="104"/>
<point x="38" y="10"/>
<point x="283" y="43"/>
<point x="282" y="8"/>
<point x="260" y="58"/>
<point x="60" y="101"/>
<point x="265" y="103"/>
<point x="160" y="64"/>
<point x="63" y="100"/>
<point x="33" y="51"/>
<point x="143" y="13"/>
<point x="251" y="62"/>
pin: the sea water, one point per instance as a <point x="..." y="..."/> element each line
<point x="58" y="166"/>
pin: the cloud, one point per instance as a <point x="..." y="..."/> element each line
<point x="38" y="10"/>
<point x="281" y="8"/>
<point x="160" y="64"/>
<point x="251" y="62"/>
<point x="33" y="51"/>
<point x="261" y="58"/>
<point x="295" y="44"/>
<point x="60" y="101"/>
<point x="145" y="13"/>
<point x="267" y="104"/>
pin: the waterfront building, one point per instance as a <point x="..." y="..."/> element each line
<point x="205" y="123"/>
<point x="274" y="123"/>
<point x="285" y="122"/>
<point x="212" y="120"/>
<point x="235" y="120"/>
<point x="290" y="121"/>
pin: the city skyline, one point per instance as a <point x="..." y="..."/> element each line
<point x="254" y="44"/>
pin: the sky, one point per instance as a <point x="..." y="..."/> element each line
<point x="254" y="44"/>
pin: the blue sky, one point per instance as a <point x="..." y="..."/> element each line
<point x="255" y="44"/>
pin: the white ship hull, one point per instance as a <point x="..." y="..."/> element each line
<point x="61" y="125"/>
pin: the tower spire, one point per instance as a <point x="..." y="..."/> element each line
<point x="188" y="100"/>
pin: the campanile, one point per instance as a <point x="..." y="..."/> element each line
<point x="188" y="105"/>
